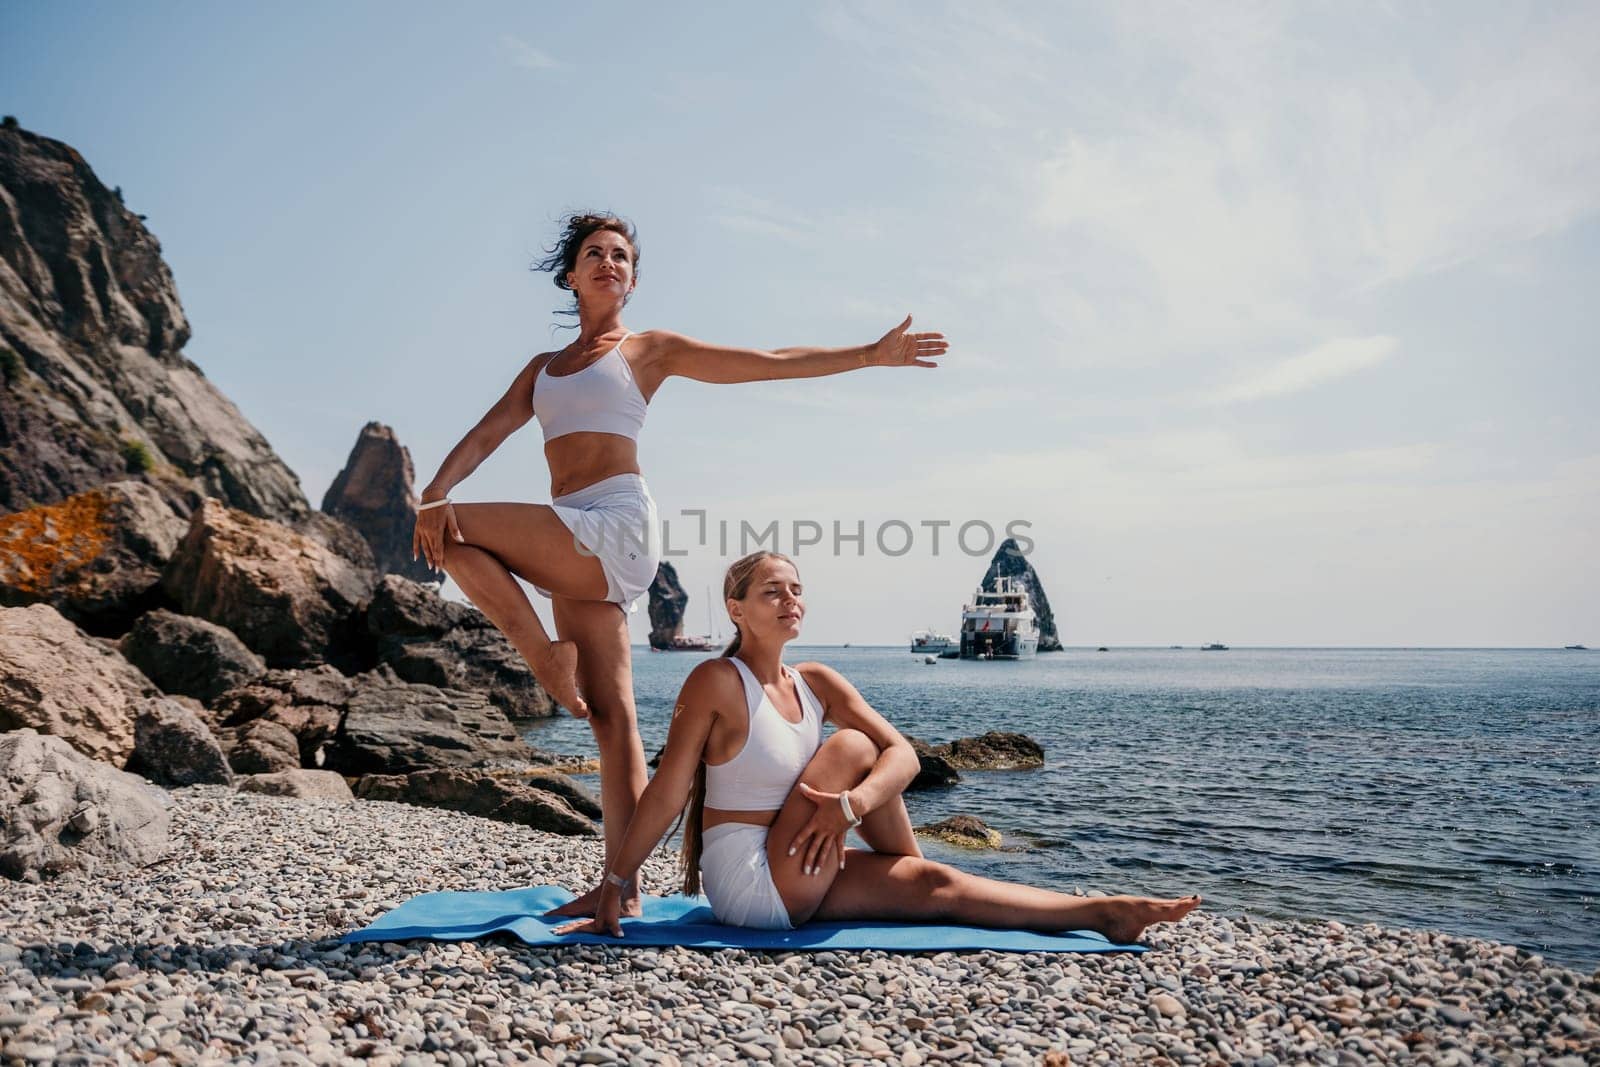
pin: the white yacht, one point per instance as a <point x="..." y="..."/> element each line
<point x="999" y="624"/>
<point x="931" y="642"/>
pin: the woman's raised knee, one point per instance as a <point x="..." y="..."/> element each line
<point x="853" y="747"/>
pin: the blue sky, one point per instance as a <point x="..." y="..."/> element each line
<point x="1271" y="320"/>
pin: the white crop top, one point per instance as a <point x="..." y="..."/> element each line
<point x="600" y="398"/>
<point x="760" y="777"/>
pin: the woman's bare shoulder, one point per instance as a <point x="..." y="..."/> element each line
<point x="824" y="680"/>
<point x="714" y="682"/>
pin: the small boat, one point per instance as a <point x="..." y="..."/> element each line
<point x="1577" y="648"/>
<point x="1215" y="646"/>
<point x="686" y="643"/>
<point x="1102" y="648"/>
<point x="931" y="641"/>
<point x="695" y="643"/>
<point x="1174" y="646"/>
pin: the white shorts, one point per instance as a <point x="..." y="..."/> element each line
<point x="737" y="880"/>
<point x="615" y="520"/>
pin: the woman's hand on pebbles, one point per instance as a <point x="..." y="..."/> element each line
<point x="607" y="919"/>
<point x="428" y="537"/>
<point x="823" y="835"/>
<point x="897" y="348"/>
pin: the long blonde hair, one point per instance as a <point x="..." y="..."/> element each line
<point x="735" y="584"/>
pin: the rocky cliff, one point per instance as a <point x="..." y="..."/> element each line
<point x="1010" y="562"/>
<point x="94" y="385"/>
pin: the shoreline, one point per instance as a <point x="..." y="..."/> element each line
<point x="228" y="950"/>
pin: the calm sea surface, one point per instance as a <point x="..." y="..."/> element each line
<point x="1456" y="790"/>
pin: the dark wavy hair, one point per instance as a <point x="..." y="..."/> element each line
<point x="576" y="228"/>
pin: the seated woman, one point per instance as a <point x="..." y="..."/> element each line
<point x="772" y="801"/>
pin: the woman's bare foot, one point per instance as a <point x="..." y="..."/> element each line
<point x="557" y="670"/>
<point x="1126" y="917"/>
<point x="584" y="906"/>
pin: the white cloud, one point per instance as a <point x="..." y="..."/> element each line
<point x="739" y="209"/>
<point x="526" y="55"/>
<point x="1328" y="361"/>
<point x="1235" y="179"/>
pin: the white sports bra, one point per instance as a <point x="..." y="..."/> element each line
<point x="600" y="398"/>
<point x="760" y="777"/>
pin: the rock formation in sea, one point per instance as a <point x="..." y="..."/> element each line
<point x="1009" y="561"/>
<point x="964" y="831"/>
<point x="94" y="385"/>
<point x="668" y="602"/>
<point x="374" y="494"/>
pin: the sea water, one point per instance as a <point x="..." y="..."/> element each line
<point x="1447" y="789"/>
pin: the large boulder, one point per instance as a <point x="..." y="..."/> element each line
<point x="61" y="811"/>
<point x="963" y="831"/>
<point x="260" y="747"/>
<point x="1010" y="562"/>
<point x="935" y="772"/>
<point x="189" y="656"/>
<point x="56" y="679"/>
<point x="373" y="493"/>
<point x="481" y="792"/>
<point x="288" y="596"/>
<point x="429" y="640"/>
<point x="173" y="747"/>
<point x="93" y="380"/>
<point x="308" y="784"/>
<point x="96" y="557"/>
<point x="668" y="602"/>
<point x="306" y="704"/>
<point x="392" y="726"/>
<point x="993" y="751"/>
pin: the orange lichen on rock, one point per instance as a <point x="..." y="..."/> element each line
<point x="44" y="547"/>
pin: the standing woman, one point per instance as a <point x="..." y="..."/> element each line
<point x="595" y="547"/>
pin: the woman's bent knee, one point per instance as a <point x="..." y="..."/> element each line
<point x="854" y="746"/>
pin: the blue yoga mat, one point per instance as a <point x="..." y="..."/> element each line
<point x="680" y="920"/>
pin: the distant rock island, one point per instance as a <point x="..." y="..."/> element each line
<point x="1009" y="562"/>
<point x="373" y="493"/>
<point x="668" y="602"/>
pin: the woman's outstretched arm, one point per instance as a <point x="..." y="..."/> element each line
<point x="721" y="365"/>
<point x="897" y="764"/>
<point x="509" y="414"/>
<point x="662" y="799"/>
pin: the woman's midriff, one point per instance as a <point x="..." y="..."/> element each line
<point x="718" y="816"/>
<point x="578" y="460"/>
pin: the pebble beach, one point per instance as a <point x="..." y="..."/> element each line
<point x="228" y="952"/>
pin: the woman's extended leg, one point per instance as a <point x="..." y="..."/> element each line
<point x="905" y="888"/>
<point x="873" y="885"/>
<point x="605" y="670"/>
<point x="531" y="542"/>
